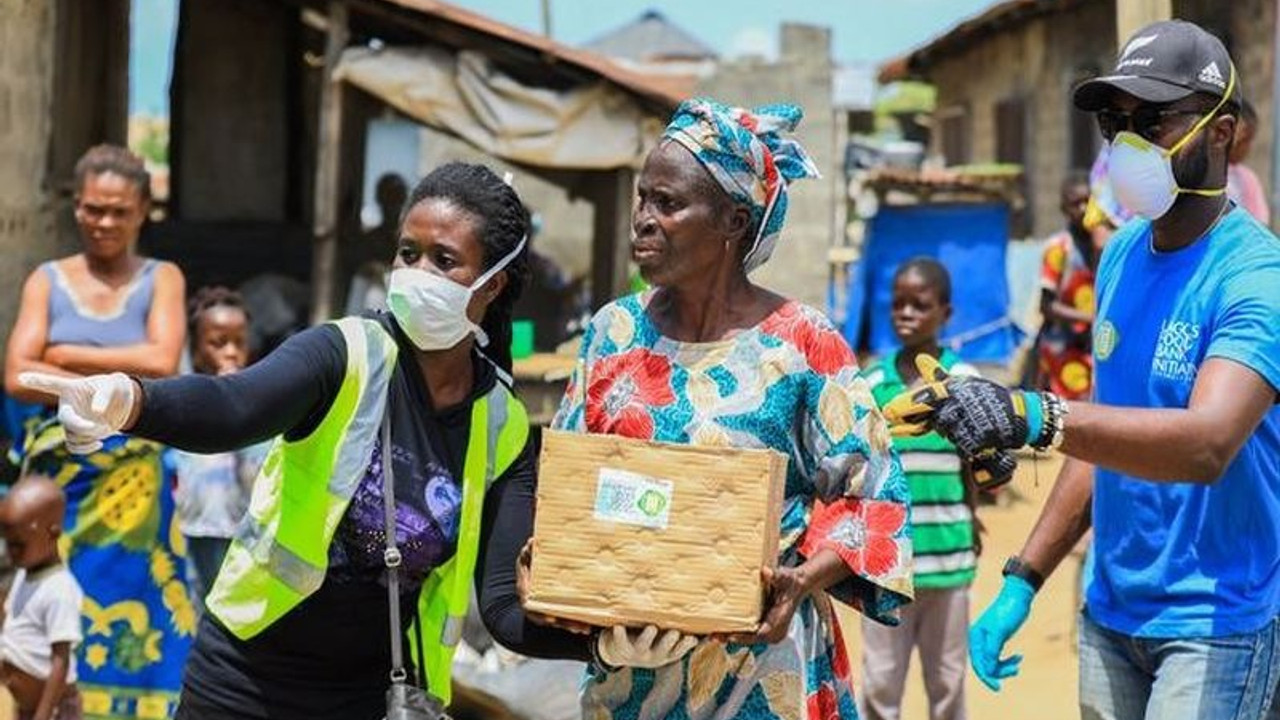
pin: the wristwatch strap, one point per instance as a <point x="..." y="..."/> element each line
<point x="1017" y="568"/>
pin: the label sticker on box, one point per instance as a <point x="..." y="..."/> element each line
<point x="632" y="499"/>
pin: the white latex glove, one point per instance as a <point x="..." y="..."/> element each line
<point x="90" y="408"/>
<point x="644" y="649"/>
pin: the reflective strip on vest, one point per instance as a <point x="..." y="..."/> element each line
<point x="353" y="455"/>
<point x="451" y="635"/>
<point x="297" y="574"/>
<point x="442" y="606"/>
<point x="280" y="553"/>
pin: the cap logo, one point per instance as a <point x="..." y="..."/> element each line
<point x="1138" y="43"/>
<point x="1134" y="45"/>
<point x="1211" y="75"/>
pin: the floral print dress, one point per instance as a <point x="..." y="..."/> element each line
<point x="1066" y="349"/>
<point x="790" y="384"/>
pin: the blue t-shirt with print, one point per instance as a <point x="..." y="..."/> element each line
<point x="1184" y="559"/>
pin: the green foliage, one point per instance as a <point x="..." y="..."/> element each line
<point x="989" y="169"/>
<point x="906" y="96"/>
<point x="895" y="99"/>
<point x="154" y="147"/>
<point x="149" y="137"/>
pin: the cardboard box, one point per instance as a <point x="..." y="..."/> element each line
<point x="632" y="532"/>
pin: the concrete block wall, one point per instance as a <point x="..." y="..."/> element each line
<point x="27" y="231"/>
<point x="1086" y="39"/>
<point x="802" y="75"/>
<point x="1042" y="59"/>
<point x="1039" y="61"/>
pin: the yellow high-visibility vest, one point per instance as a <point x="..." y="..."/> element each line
<point x="281" y="550"/>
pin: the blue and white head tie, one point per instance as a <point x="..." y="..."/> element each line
<point x="749" y="156"/>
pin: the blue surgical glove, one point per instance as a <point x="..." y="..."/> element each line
<point x="989" y="634"/>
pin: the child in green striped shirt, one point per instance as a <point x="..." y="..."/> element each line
<point x="944" y="536"/>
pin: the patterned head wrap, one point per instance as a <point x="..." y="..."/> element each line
<point x="746" y="153"/>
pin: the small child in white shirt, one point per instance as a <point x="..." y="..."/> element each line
<point x="42" y="611"/>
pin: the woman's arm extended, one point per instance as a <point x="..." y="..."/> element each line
<point x="287" y="392"/>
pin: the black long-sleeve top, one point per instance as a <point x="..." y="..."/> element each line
<point x="288" y="393"/>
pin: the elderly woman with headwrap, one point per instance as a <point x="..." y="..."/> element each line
<point x="709" y="358"/>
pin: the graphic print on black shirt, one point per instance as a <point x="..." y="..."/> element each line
<point x="428" y="509"/>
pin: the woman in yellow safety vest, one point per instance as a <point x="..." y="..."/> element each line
<point x="298" y="617"/>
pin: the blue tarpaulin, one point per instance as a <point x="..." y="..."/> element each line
<point x="970" y="240"/>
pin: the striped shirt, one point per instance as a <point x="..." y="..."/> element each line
<point x="942" y="522"/>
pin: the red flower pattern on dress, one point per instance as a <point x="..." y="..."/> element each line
<point x="824" y="348"/>
<point x="621" y="390"/>
<point x="823" y="704"/>
<point x="862" y="532"/>
<point x="839" y="655"/>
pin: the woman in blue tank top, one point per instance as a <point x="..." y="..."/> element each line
<point x="106" y="309"/>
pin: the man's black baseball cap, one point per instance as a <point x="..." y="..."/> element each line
<point x="1163" y="62"/>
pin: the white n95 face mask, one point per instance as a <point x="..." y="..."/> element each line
<point x="1141" y="172"/>
<point x="432" y="309"/>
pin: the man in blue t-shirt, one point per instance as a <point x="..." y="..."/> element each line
<point x="1177" y="465"/>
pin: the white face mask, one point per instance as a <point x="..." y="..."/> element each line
<point x="1141" y="172"/>
<point x="432" y="309"/>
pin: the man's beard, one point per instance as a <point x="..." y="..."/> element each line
<point x="1191" y="166"/>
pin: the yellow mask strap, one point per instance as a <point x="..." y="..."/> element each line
<point x="1195" y="129"/>
<point x="1231" y="84"/>
<point x="1201" y="191"/>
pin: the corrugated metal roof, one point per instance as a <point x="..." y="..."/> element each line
<point x="665" y="91"/>
<point x="651" y="38"/>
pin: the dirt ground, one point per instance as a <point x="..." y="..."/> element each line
<point x="1046" y="687"/>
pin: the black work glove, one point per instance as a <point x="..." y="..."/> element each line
<point x="992" y="469"/>
<point x="979" y="416"/>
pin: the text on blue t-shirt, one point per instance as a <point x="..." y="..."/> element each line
<point x="1185" y="559"/>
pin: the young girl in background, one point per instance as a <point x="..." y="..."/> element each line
<point x="212" y="491"/>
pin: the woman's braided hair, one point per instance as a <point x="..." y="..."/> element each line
<point x="503" y="222"/>
<point x="206" y="299"/>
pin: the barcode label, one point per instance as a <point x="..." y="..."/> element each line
<point x="632" y="499"/>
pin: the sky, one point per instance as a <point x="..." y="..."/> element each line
<point x="152" y="24"/>
<point x="863" y="31"/>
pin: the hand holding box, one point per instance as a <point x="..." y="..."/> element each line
<point x="635" y="533"/>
